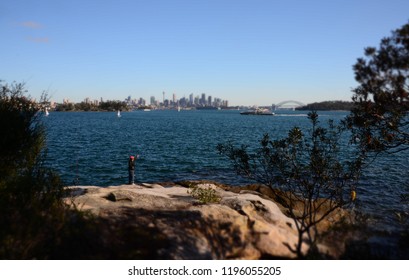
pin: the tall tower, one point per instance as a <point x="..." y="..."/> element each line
<point x="203" y="99"/>
<point x="191" y="99"/>
<point x="163" y="99"/>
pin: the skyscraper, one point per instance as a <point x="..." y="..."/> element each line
<point x="191" y="99"/>
<point x="203" y="99"/>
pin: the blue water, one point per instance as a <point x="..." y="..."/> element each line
<point x="92" y="148"/>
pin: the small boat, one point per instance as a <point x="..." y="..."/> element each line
<point x="258" y="112"/>
<point x="118" y="114"/>
<point x="46" y="112"/>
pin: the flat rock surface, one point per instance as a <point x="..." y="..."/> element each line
<point x="241" y="226"/>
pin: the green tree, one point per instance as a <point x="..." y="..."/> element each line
<point x="327" y="106"/>
<point x="22" y="133"/>
<point x="35" y="222"/>
<point x="379" y="119"/>
<point x="29" y="192"/>
<point x="309" y="173"/>
<point x="65" y="107"/>
<point x="113" y="105"/>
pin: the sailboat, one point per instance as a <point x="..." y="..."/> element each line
<point x="46" y="112"/>
<point x="119" y="114"/>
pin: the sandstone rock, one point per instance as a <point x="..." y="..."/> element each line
<point x="241" y="226"/>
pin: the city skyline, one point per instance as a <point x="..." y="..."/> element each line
<point x="192" y="100"/>
<point x="248" y="52"/>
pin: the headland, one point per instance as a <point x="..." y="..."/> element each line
<point x="243" y="224"/>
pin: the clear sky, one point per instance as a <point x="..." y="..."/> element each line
<point x="250" y="52"/>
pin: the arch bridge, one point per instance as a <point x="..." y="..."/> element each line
<point x="288" y="104"/>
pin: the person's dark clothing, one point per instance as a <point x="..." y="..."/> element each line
<point x="131" y="164"/>
<point x="131" y="171"/>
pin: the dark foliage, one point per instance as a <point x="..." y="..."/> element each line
<point x="308" y="172"/>
<point x="328" y="106"/>
<point x="28" y="191"/>
<point x="379" y="119"/>
<point x="35" y="222"/>
<point x="22" y="134"/>
<point x="102" y="106"/>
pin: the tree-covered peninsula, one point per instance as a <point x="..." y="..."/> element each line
<point x="110" y="105"/>
<point x="338" y="105"/>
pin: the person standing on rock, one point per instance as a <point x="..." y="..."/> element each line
<point x="131" y="169"/>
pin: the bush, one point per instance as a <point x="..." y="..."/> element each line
<point x="30" y="194"/>
<point x="379" y="119"/>
<point x="308" y="172"/>
<point x="35" y="222"/>
<point x="204" y="195"/>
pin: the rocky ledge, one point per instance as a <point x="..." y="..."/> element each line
<point x="242" y="225"/>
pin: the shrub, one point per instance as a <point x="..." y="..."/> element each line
<point x="308" y="172"/>
<point x="203" y="194"/>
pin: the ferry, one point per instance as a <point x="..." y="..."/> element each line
<point x="258" y="112"/>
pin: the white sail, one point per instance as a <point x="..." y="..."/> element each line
<point x="46" y="112"/>
<point x="119" y="114"/>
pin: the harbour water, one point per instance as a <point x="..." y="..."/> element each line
<point x="92" y="148"/>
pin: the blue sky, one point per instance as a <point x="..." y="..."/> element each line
<point x="250" y="52"/>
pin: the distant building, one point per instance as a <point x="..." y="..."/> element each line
<point x="191" y="99"/>
<point x="183" y="102"/>
<point x="203" y="100"/>
<point x="209" y="101"/>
